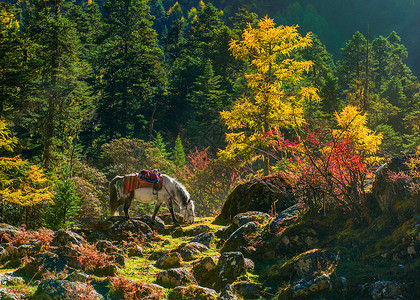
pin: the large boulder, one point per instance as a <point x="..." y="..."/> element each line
<point x="191" y="250"/>
<point x="65" y="290"/>
<point x="271" y="194"/>
<point x="250" y="216"/>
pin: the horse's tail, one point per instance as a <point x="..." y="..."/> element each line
<point x="113" y="195"/>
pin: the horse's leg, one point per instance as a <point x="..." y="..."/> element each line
<point x="171" y="210"/>
<point x="128" y="203"/>
<point x="157" y="206"/>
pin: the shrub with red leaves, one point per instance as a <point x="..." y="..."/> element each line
<point x="129" y="289"/>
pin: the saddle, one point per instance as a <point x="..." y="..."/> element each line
<point x="144" y="179"/>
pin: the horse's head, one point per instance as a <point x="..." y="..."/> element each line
<point x="189" y="212"/>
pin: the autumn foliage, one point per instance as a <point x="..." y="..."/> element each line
<point x="331" y="167"/>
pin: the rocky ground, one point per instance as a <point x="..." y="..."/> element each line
<point x="286" y="252"/>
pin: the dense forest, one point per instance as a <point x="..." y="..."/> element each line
<point x="90" y="90"/>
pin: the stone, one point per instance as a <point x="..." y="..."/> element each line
<point x="66" y="237"/>
<point x="192" y="292"/>
<point x="258" y="195"/>
<point x="169" y="260"/>
<point x="122" y="228"/>
<point x="157" y="254"/>
<point x="65" y="290"/>
<point x="6" y="229"/>
<point x="230" y="266"/>
<point x="248" y="290"/>
<point x="256" y="216"/>
<point x="108" y="247"/>
<point x="305" y="288"/>
<point x="10" y="278"/>
<point x="70" y="256"/>
<point x="175" y="277"/>
<point x="386" y="290"/>
<point x="95" y="236"/>
<point x="204" y="271"/>
<point x="156" y="224"/>
<point x="78" y="276"/>
<point x="136" y="289"/>
<point x="205" y="238"/>
<point x="192" y="250"/>
<point x="134" y="250"/>
<point x="42" y="262"/>
<point x="196" y="230"/>
<point x="238" y="237"/>
<point x="249" y="264"/>
<point x="285" y="218"/>
<point x="228" y="293"/>
<point x="5" y="294"/>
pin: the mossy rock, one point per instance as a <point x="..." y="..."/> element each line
<point x="257" y="195"/>
<point x="192" y="292"/>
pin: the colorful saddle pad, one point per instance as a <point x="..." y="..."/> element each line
<point x="138" y="180"/>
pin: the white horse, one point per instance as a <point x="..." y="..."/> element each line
<point x="171" y="191"/>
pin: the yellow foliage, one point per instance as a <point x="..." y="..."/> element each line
<point x="7" y="21"/>
<point x="20" y="183"/>
<point x="352" y="125"/>
<point x="269" y="50"/>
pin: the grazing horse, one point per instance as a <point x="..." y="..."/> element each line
<point x="171" y="191"/>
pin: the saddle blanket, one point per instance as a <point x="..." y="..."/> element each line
<point x="137" y="180"/>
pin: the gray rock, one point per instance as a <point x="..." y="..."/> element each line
<point x="122" y="228"/>
<point x="169" y="260"/>
<point x="230" y="266"/>
<point x="386" y="290"/>
<point x="305" y="288"/>
<point x="65" y="290"/>
<point x="96" y="236"/>
<point x="192" y="250"/>
<point x="134" y="250"/>
<point x="285" y="218"/>
<point x="204" y="271"/>
<point x="66" y="237"/>
<point x="194" y="292"/>
<point x="248" y="290"/>
<point x="10" y="278"/>
<point x="156" y="224"/>
<point x="243" y="218"/>
<point x="9" y="230"/>
<point x="175" y="277"/>
<point x="197" y="230"/>
<point x="238" y="238"/>
<point x="78" y="276"/>
<point x="204" y="238"/>
<point x="228" y="293"/>
<point x="6" y="295"/>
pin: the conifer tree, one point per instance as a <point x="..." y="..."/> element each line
<point x="129" y="64"/>
<point x="63" y="98"/>
<point x="178" y="154"/>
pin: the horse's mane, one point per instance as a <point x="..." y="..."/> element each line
<point x="181" y="190"/>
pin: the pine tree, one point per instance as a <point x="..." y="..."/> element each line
<point x="63" y="212"/>
<point x="160" y="144"/>
<point x="178" y="155"/>
<point x="64" y="98"/>
<point x="129" y="64"/>
<point x="207" y="99"/>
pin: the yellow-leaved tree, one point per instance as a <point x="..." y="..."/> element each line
<point x="352" y="123"/>
<point x="22" y="185"/>
<point x="276" y="87"/>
